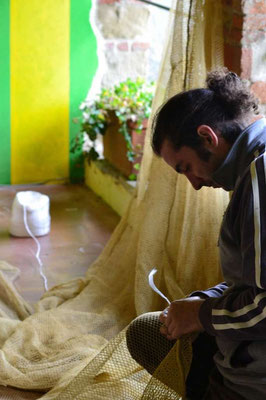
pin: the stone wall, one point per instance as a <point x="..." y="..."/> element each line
<point x="130" y="36"/>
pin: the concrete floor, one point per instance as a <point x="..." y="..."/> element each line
<point x="81" y="224"/>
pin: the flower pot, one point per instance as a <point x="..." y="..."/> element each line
<point x="115" y="148"/>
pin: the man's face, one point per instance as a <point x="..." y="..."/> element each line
<point x="186" y="161"/>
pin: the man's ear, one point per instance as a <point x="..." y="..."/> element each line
<point x="209" y="137"/>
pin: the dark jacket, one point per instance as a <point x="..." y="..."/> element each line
<point x="235" y="311"/>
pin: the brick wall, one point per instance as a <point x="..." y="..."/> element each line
<point x="245" y="42"/>
<point x="233" y="26"/>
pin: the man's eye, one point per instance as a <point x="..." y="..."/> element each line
<point x="183" y="169"/>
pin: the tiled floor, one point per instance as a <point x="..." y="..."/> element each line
<point x="81" y="224"/>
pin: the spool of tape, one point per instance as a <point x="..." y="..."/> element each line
<point x="34" y="207"/>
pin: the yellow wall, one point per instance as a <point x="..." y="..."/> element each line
<point x="39" y="61"/>
<point x="49" y="59"/>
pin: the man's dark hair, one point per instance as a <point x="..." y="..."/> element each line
<point x="226" y="105"/>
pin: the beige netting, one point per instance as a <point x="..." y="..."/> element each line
<point x="74" y="342"/>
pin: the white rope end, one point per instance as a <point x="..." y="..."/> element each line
<point x="152" y="285"/>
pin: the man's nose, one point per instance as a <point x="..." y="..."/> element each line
<point x="195" y="182"/>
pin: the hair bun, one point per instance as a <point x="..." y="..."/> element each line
<point x="223" y="80"/>
<point x="232" y="92"/>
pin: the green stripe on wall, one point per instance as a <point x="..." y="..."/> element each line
<point x="4" y="93"/>
<point x="83" y="65"/>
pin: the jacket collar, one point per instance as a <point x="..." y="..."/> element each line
<point x="241" y="154"/>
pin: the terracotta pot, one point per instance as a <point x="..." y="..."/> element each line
<point x="115" y="149"/>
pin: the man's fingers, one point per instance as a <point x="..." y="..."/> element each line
<point x="171" y="327"/>
<point x="169" y="335"/>
<point x="163" y="330"/>
<point x="165" y="311"/>
<point x="163" y="316"/>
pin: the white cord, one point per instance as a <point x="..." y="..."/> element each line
<point x="152" y="285"/>
<point x="37" y="255"/>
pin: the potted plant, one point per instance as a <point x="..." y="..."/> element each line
<point x="120" y="114"/>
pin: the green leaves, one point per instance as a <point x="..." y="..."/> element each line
<point x="130" y="100"/>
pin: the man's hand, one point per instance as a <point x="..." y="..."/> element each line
<point x="181" y="317"/>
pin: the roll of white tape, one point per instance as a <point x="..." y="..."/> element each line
<point x="34" y="207"/>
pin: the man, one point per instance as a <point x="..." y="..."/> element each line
<point x="209" y="136"/>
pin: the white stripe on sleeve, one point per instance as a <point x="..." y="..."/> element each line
<point x="256" y="202"/>
<point x="242" y="311"/>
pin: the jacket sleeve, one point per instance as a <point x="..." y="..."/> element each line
<point x="240" y="313"/>
<point x="215" y="291"/>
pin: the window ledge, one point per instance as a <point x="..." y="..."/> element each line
<point x="108" y="183"/>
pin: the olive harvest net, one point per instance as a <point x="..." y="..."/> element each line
<point x="73" y="344"/>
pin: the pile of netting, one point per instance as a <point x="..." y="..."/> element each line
<point x="73" y="346"/>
